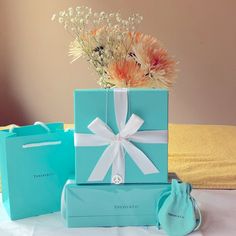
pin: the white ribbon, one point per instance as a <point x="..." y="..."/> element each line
<point x="118" y="144"/>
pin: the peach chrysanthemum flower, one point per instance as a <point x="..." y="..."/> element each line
<point x="127" y="73"/>
<point x="153" y="59"/>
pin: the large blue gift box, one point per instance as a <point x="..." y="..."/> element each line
<point x="111" y="205"/>
<point x="121" y="136"/>
<point x="35" y="163"/>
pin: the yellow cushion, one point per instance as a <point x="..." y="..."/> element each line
<point x="203" y="155"/>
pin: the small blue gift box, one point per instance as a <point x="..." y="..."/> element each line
<point x="121" y="136"/>
<point x="36" y="161"/>
<point x="111" y="205"/>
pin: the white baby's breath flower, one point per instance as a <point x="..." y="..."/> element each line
<point x="124" y="34"/>
<point x="70" y="11"/>
<point x="60" y="20"/>
<point x="53" y="17"/>
<point x="61" y="13"/>
<point x="118" y="19"/>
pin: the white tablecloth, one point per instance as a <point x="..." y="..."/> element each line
<point x="218" y="209"/>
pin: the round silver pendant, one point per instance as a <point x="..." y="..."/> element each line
<point x="117" y="179"/>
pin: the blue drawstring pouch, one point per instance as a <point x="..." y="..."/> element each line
<point x="177" y="211"/>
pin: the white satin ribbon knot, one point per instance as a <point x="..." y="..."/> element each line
<point x="118" y="144"/>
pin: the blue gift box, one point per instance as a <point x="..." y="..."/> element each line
<point x="35" y="164"/>
<point x="100" y="136"/>
<point x="111" y="205"/>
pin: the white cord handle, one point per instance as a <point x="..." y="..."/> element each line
<point x="42" y="125"/>
<point x="13" y="126"/>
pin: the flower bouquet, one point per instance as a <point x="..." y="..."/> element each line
<point x="122" y="56"/>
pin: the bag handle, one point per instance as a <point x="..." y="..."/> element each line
<point x="13" y="126"/>
<point x="43" y="125"/>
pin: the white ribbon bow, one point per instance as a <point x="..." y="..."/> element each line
<point x="119" y="143"/>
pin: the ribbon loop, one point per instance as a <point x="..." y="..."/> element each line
<point x="132" y="126"/>
<point x="101" y="129"/>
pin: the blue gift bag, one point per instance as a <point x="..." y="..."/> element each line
<point x="35" y="162"/>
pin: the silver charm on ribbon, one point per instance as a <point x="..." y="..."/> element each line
<point x="119" y="144"/>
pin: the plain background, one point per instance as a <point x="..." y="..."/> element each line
<point x="37" y="79"/>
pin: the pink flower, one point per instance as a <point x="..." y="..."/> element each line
<point x="127" y="73"/>
<point x="153" y="59"/>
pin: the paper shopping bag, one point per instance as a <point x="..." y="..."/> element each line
<point x="35" y="162"/>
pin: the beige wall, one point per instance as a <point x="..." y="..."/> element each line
<point x="37" y="80"/>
